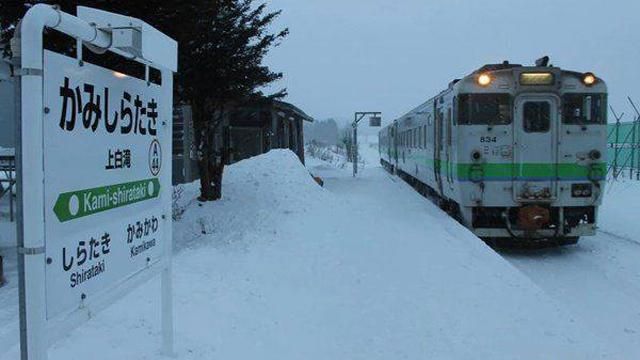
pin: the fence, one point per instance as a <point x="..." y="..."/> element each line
<point x="623" y="150"/>
<point x="623" y="146"/>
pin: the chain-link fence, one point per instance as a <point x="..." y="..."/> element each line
<point x="623" y="146"/>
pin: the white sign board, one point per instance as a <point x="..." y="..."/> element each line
<point x="104" y="160"/>
<point x="94" y="173"/>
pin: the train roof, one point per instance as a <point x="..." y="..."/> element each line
<point x="570" y="83"/>
<point x="495" y="67"/>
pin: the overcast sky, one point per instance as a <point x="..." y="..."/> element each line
<point x="390" y="55"/>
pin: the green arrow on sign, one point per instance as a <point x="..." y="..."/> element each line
<point x="77" y="204"/>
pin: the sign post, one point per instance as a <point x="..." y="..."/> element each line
<point x="374" y="121"/>
<point x="94" y="166"/>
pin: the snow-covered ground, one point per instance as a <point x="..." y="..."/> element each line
<point x="599" y="279"/>
<point x="362" y="269"/>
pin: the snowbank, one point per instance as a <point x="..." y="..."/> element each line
<point x="261" y="192"/>
<point x="364" y="269"/>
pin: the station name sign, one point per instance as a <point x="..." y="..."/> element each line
<point x="103" y="165"/>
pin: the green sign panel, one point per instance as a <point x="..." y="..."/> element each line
<point x="77" y="204"/>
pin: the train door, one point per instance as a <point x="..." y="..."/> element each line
<point x="535" y="169"/>
<point x="449" y="150"/>
<point x="395" y="136"/>
<point x="438" y="146"/>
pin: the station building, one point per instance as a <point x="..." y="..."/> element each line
<point x="247" y="130"/>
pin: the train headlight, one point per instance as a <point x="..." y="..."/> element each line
<point x="484" y="80"/>
<point x="589" y="79"/>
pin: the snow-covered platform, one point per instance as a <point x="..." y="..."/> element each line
<point x="361" y="269"/>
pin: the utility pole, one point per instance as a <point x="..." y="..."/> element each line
<point x="375" y="120"/>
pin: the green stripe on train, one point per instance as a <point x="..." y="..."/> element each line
<point x="531" y="171"/>
<point x="468" y="171"/>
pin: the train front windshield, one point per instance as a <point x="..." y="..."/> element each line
<point x="484" y="109"/>
<point x="582" y="109"/>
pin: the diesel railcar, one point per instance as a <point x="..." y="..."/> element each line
<point x="513" y="152"/>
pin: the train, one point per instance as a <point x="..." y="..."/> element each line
<point x="515" y="153"/>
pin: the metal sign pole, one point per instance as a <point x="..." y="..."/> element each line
<point x="354" y="144"/>
<point x="31" y="186"/>
<point x="354" y="147"/>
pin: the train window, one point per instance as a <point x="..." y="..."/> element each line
<point x="425" y="136"/>
<point x="484" y="109"/>
<point x="455" y="110"/>
<point x="584" y="109"/>
<point x="536" y="116"/>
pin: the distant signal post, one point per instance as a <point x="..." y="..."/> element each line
<point x="375" y="120"/>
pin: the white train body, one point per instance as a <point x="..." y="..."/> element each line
<point x="520" y="156"/>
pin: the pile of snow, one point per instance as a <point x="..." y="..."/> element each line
<point x="259" y="193"/>
<point x="364" y="269"/>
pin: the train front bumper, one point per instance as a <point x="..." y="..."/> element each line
<point x="577" y="231"/>
<point x="534" y="222"/>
